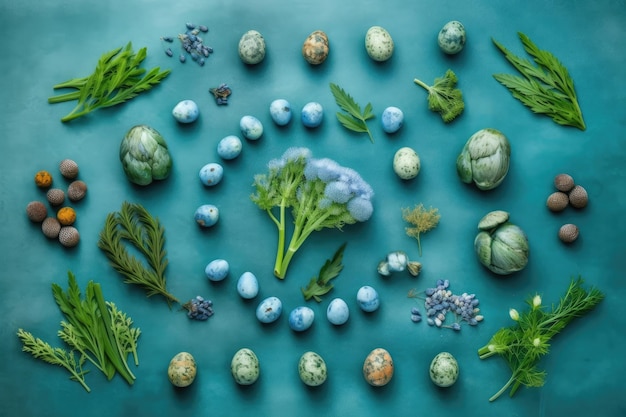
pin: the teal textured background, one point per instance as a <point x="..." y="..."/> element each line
<point x="48" y="42"/>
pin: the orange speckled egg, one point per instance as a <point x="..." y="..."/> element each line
<point x="378" y="367"/>
<point x="316" y="47"/>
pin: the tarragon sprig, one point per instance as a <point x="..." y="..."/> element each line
<point x="117" y="78"/>
<point x="321" y="285"/>
<point x="545" y="88"/>
<point x="355" y="119"/>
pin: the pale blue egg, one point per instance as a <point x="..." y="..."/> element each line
<point x="207" y="215"/>
<point x="392" y="119"/>
<point x="269" y="310"/>
<point x="186" y="111"/>
<point x="312" y="114"/>
<point x="301" y="318"/>
<point x="248" y="285"/>
<point x="368" y="299"/>
<point x="211" y="174"/>
<point x="251" y="127"/>
<point x="280" y="110"/>
<point x="229" y="147"/>
<point x="337" y="312"/>
<point x="217" y="270"/>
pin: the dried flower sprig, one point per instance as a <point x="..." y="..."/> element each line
<point x="422" y="220"/>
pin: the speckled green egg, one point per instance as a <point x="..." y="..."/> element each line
<point x="444" y="369"/>
<point x="451" y="38"/>
<point x="252" y="47"/>
<point x="378" y="43"/>
<point x="245" y="367"/>
<point x="182" y="370"/>
<point x="312" y="369"/>
<point x="406" y="163"/>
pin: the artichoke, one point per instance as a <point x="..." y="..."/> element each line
<point x="144" y="155"/>
<point x="484" y="159"/>
<point x="500" y="245"/>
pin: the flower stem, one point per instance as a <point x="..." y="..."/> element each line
<point x="503" y="389"/>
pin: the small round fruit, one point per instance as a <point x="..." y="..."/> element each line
<point x="51" y="227"/>
<point x="564" y="182"/>
<point x="557" y="201"/>
<point x="69" y="236"/>
<point x="36" y="211"/>
<point x="451" y="38"/>
<point x="207" y="215"/>
<point x="66" y="216"/>
<point x="444" y="370"/>
<point x="43" y="179"/>
<point x="392" y="119"/>
<point x="68" y="168"/>
<point x="55" y="196"/>
<point x="229" y="147"/>
<point x="578" y="197"/>
<point x="368" y="299"/>
<point x="211" y="174"/>
<point x="568" y="233"/>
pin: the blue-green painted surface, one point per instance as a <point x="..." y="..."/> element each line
<point x="48" y="42"/>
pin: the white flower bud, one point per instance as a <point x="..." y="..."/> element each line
<point x="514" y="314"/>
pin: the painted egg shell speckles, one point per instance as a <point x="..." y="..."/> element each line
<point x="211" y="174"/>
<point x="444" y="369"/>
<point x="312" y="369"/>
<point x="378" y="367"/>
<point x="378" y="43"/>
<point x="207" y="215"/>
<point x="280" y="111"/>
<point x="269" y="310"/>
<point x="245" y="367"/>
<point x="182" y="369"/>
<point x="186" y="111"/>
<point x="368" y="299"/>
<point x="316" y="47"/>
<point x="252" y="47"/>
<point x="452" y="37"/>
<point x="251" y="127"/>
<point x="406" y="163"/>
<point x="229" y="147"/>
<point x="301" y="318"/>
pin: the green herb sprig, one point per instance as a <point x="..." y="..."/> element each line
<point x="134" y="225"/>
<point x="321" y="285"/>
<point x="443" y="96"/>
<point x="117" y="78"/>
<point x="523" y="344"/>
<point x="545" y="88"/>
<point x="422" y="221"/>
<point x="355" y="119"/>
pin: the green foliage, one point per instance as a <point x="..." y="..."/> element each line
<point x="523" y="344"/>
<point x="321" y="285"/>
<point x="422" y="220"/>
<point x="354" y="120"/>
<point x="545" y="88"/>
<point x="117" y="78"/>
<point x="443" y="96"/>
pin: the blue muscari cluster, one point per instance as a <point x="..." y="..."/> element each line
<point x="191" y="43"/>
<point x="440" y="301"/>
<point x="199" y="309"/>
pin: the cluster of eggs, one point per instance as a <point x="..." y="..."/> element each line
<point x="568" y="194"/>
<point x="61" y="225"/>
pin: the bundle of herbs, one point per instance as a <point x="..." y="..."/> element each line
<point x="94" y="329"/>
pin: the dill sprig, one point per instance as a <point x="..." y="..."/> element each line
<point x="355" y="119"/>
<point x="422" y="220"/>
<point x="523" y="344"/>
<point x="134" y="225"/>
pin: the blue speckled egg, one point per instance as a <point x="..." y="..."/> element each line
<point x="368" y="299"/>
<point x="301" y="318"/>
<point x="207" y="215"/>
<point x="312" y="114"/>
<point x="338" y="312"/>
<point x="392" y="119"/>
<point x="248" y="285"/>
<point x="452" y="37"/>
<point x="229" y="147"/>
<point x="251" y="127"/>
<point x="269" y="310"/>
<point x="280" y="110"/>
<point x="252" y="47"/>
<point x="217" y="270"/>
<point x="186" y="111"/>
<point x="211" y="174"/>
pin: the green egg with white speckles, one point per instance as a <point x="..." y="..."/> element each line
<point x="444" y="370"/>
<point x="379" y="44"/>
<point x="406" y="163"/>
<point x="245" y="367"/>
<point x="312" y="369"/>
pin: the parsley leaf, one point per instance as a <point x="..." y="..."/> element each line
<point x="354" y="120"/>
<point x="320" y="285"/>
<point x="545" y="88"/>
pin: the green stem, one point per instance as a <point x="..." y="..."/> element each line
<point x="64" y="97"/>
<point x="503" y="389"/>
<point x="278" y="265"/>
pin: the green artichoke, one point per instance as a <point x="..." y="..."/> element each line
<point x="500" y="245"/>
<point x="484" y="159"/>
<point x="144" y="155"/>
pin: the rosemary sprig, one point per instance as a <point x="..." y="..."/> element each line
<point x="134" y="225"/>
<point x="321" y="285"/>
<point x="523" y="344"/>
<point x="117" y="78"/>
<point x="354" y="120"/>
<point x="545" y="88"/>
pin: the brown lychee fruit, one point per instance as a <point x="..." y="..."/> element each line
<point x="69" y="236"/>
<point x="578" y="197"/>
<point x="557" y="201"/>
<point x="55" y="196"/>
<point x="568" y="233"/>
<point x="76" y="190"/>
<point x="68" y="168"/>
<point x="564" y="182"/>
<point x="51" y="227"/>
<point x="36" y="211"/>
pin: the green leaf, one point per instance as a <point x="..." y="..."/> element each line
<point x="320" y="285"/>
<point x="354" y="119"/>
